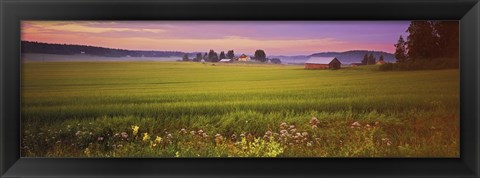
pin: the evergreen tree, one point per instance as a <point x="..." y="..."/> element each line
<point x="222" y="55"/>
<point x="260" y="55"/>
<point x="371" y="59"/>
<point x="380" y="59"/>
<point x="199" y="57"/>
<point x="365" y="59"/>
<point x="212" y="56"/>
<point x="205" y="57"/>
<point x="448" y="42"/>
<point x="230" y="54"/>
<point x="401" y="50"/>
<point x="422" y="41"/>
<point x="185" y="57"/>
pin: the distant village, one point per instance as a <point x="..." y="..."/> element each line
<point x="260" y="56"/>
<point x="230" y="57"/>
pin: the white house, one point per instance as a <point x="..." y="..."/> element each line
<point x="244" y="57"/>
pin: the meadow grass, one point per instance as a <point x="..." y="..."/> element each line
<point x="78" y="109"/>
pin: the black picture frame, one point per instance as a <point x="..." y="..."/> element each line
<point x="13" y="11"/>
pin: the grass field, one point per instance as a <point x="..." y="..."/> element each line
<point x="182" y="109"/>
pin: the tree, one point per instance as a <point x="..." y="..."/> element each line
<point x="222" y="55"/>
<point x="230" y="54"/>
<point x="365" y="59"/>
<point x="185" y="57"/>
<point x="448" y="33"/>
<point x="422" y="41"/>
<point x="212" y="56"/>
<point x="205" y="57"/>
<point x="380" y="59"/>
<point x="199" y="57"/>
<point x="260" y="55"/>
<point x="401" y="50"/>
<point x="371" y="59"/>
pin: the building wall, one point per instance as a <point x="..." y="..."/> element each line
<point x="316" y="66"/>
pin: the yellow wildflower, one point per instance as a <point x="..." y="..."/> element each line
<point x="135" y="129"/>
<point x="146" y="137"/>
<point x="158" y="139"/>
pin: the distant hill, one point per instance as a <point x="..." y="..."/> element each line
<point x="67" y="49"/>
<point x="347" y="57"/>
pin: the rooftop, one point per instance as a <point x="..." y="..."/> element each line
<point x="319" y="60"/>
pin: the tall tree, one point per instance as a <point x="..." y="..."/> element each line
<point x="422" y="41"/>
<point x="185" y="57"/>
<point x="212" y="56"/>
<point x="199" y="57"/>
<point x="401" y="50"/>
<point x="222" y="55"/>
<point x="230" y="54"/>
<point x="448" y="33"/>
<point x="260" y="55"/>
<point x="380" y="59"/>
<point x="371" y="59"/>
<point x="365" y="59"/>
<point x="205" y="57"/>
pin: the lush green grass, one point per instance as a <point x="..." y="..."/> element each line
<point x="76" y="108"/>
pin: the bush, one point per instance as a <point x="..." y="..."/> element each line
<point x="424" y="64"/>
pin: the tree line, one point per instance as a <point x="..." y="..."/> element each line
<point x="68" y="49"/>
<point x="429" y="45"/>
<point x="370" y="59"/>
<point x="213" y="56"/>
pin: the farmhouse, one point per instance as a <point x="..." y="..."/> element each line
<point x="380" y="62"/>
<point x="323" y="63"/>
<point x="244" y="57"/>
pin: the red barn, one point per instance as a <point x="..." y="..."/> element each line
<point x="323" y="63"/>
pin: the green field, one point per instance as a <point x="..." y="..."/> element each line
<point x="183" y="109"/>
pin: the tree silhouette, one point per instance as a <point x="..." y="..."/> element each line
<point x="260" y="55"/>
<point x="401" y="50"/>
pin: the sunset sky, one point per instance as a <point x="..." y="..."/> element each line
<point x="275" y="37"/>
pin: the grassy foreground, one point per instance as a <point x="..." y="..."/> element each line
<point x="181" y="109"/>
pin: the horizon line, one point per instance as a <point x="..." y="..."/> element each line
<point x="70" y="44"/>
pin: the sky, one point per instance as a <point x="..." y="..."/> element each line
<point x="274" y="37"/>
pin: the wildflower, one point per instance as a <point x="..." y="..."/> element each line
<point x="78" y="133"/>
<point x="183" y="131"/>
<point x="309" y="144"/>
<point x="376" y="123"/>
<point x="200" y="131"/>
<point x="242" y="135"/>
<point x="124" y="135"/>
<point x="192" y="132"/>
<point x="268" y="133"/>
<point x="314" y="126"/>
<point x="313" y="121"/>
<point x="283" y="125"/>
<point x="355" y="124"/>
<point x="292" y="127"/>
<point x="233" y="137"/>
<point x="146" y="137"/>
<point x="87" y="151"/>
<point x="304" y="134"/>
<point x="116" y="135"/>
<point x="135" y="129"/>
<point x="169" y="136"/>
<point x="100" y="139"/>
<point x="283" y="131"/>
<point x="205" y="135"/>
<point x="158" y="139"/>
<point x="293" y="130"/>
<point x="218" y="138"/>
